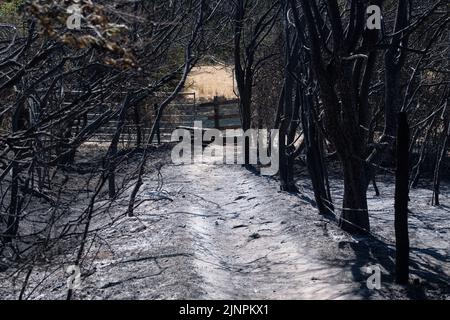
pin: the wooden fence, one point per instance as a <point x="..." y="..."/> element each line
<point x="182" y="112"/>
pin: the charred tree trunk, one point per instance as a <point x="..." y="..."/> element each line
<point x="355" y="216"/>
<point x="246" y="61"/>
<point x="394" y="60"/>
<point x="439" y="160"/>
<point x="401" y="201"/>
<point x="289" y="116"/>
<point x="314" y="159"/>
<point x="12" y="223"/>
<point x="244" y="75"/>
<point x="112" y="152"/>
<point x="342" y="96"/>
<point x="13" y="218"/>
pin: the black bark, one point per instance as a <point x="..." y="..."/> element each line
<point x="401" y="201"/>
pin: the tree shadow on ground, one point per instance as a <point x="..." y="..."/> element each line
<point x="425" y="276"/>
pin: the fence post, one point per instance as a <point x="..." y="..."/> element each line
<point x="158" y="132"/>
<point x="401" y="201"/>
<point x="216" y="113"/>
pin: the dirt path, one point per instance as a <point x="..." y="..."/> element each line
<point x="250" y="241"/>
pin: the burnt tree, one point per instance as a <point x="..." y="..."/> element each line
<point x="401" y="201"/>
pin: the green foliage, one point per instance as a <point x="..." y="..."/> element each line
<point x="9" y="7"/>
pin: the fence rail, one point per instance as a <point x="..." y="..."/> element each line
<point x="183" y="112"/>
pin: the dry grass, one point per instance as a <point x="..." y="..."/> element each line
<point x="210" y="81"/>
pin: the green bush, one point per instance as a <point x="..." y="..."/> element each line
<point x="9" y="8"/>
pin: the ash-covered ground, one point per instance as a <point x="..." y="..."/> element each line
<point x="206" y="231"/>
